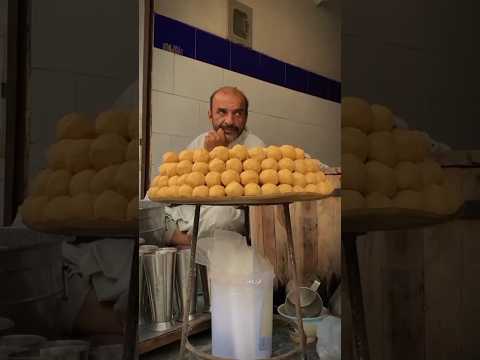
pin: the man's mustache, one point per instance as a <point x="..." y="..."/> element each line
<point x="230" y="128"/>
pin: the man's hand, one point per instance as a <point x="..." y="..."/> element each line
<point x="180" y="238"/>
<point x="215" y="138"/>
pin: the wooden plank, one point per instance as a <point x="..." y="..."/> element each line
<point x="256" y="228"/>
<point x="443" y="293"/>
<point x="298" y="237"/>
<point x="282" y="269"/>
<point x="268" y="219"/>
<point x="404" y="314"/>
<point x="310" y="240"/>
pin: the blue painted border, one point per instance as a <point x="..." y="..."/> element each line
<point x="186" y="40"/>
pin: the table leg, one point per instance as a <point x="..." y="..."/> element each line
<point x="246" y="211"/>
<point x="131" y="332"/>
<point x="349" y="248"/>
<point x="192" y="277"/>
<point x="292" y="261"/>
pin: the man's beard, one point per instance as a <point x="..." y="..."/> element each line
<point x="231" y="132"/>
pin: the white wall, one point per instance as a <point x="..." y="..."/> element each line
<point x="84" y="56"/>
<point x="312" y="33"/>
<point x="181" y="91"/>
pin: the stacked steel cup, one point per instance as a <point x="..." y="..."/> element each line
<point x="143" y="249"/>
<point x="182" y="283"/>
<point x="159" y="269"/>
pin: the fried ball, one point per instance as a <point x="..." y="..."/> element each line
<point x="82" y="206"/>
<point x="185" y="155"/>
<point x="110" y="205"/>
<point x="132" y="150"/>
<point x="252" y="189"/>
<point x="269" y="163"/>
<point x="380" y="178"/>
<point x="325" y="187"/>
<point x="195" y="179"/>
<point x="170" y="157"/>
<point x="216" y="191"/>
<point x="77" y="156"/>
<point x="126" y="179"/>
<point x="288" y="152"/>
<point x="200" y="191"/>
<point x="270" y="189"/>
<point x="298" y="189"/>
<point x="220" y="152"/>
<point x="273" y="152"/>
<point x="299" y="154"/>
<point x="234" y="189"/>
<point x="40" y="182"/>
<point x="32" y="209"/>
<point x="112" y="122"/>
<point x="213" y="178"/>
<point x="238" y="152"/>
<point x="172" y="191"/>
<point x="311" y="178"/>
<point x="103" y="180"/>
<point x="229" y="176"/>
<point x="184" y="167"/>
<point x="200" y="167"/>
<point x="168" y="169"/>
<point x="216" y="165"/>
<point x="311" y="188"/>
<point x="80" y="182"/>
<point x="173" y="180"/>
<point x="249" y="177"/>
<point x="285" y="188"/>
<point x="357" y="113"/>
<point x="312" y="165"/>
<point x="285" y="177"/>
<point x="106" y="150"/>
<point x="182" y="180"/>
<point x="74" y="126"/>
<point x="257" y="153"/>
<point x="352" y="199"/>
<point x="252" y="164"/>
<point x="269" y="176"/>
<point x="286" y="163"/>
<point x="58" y="209"/>
<point x="378" y="201"/>
<point x="300" y="166"/>
<point x="160" y="181"/>
<point x="320" y="176"/>
<point x="56" y="154"/>
<point x="354" y="142"/>
<point x="201" y="155"/>
<point x="382" y="118"/>
<point x="132" y="209"/>
<point x="185" y="191"/>
<point x="58" y="183"/>
<point x="299" y="179"/>
<point x="234" y="164"/>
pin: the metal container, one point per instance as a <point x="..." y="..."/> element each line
<point x="182" y="282"/>
<point x="152" y="222"/>
<point x="142" y="303"/>
<point x="32" y="279"/>
<point x="160" y="278"/>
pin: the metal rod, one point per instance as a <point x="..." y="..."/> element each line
<point x="349" y="248"/>
<point x="296" y="291"/>
<point x="246" y="210"/>
<point x="192" y="277"/>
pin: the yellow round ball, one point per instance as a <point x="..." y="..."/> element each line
<point x="168" y="169"/>
<point x="300" y="166"/>
<point x="288" y="151"/>
<point x="185" y="191"/>
<point x="269" y="176"/>
<point x="160" y="181"/>
<point x="311" y="178"/>
<point x="195" y="179"/>
<point x="216" y="165"/>
<point x="184" y="167"/>
<point x="249" y="177"/>
<point x="311" y="188"/>
<point x="162" y="192"/>
<point x="200" y="167"/>
<point x="173" y="180"/>
<point x="200" y="191"/>
<point x="220" y="152"/>
<point x="252" y="189"/>
<point x="182" y="180"/>
<point x="201" y="155"/>
<point x="270" y="189"/>
<point x="325" y="187"/>
<point x="299" y="154"/>
<point x="285" y="177"/>
<point x="213" y="178"/>
<point x="320" y="176"/>
<point x="234" y="164"/>
<point x="269" y="163"/>
<point x="110" y="205"/>
<point x="299" y="179"/>
<point x="285" y="188"/>
<point x="252" y="164"/>
<point x="257" y="153"/>
<point x="298" y="189"/>
<point x="216" y="191"/>
<point x="234" y="189"/>
<point x="229" y="176"/>
<point x="312" y="165"/>
<point x="172" y="191"/>
<point x="186" y="155"/>
<point x="239" y="152"/>
<point x="170" y="157"/>
<point x="286" y="163"/>
<point x="273" y="152"/>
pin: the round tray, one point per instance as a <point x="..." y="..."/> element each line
<point x="247" y="200"/>
<point x="93" y="228"/>
<point x="364" y="220"/>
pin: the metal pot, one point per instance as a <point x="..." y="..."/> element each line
<point x="152" y="222"/>
<point x="32" y="278"/>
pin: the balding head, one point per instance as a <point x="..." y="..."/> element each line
<point x="229" y="111"/>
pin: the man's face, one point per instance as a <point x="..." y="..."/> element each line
<point x="228" y="113"/>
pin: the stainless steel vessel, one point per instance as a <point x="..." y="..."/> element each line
<point x="182" y="281"/>
<point x="152" y="222"/>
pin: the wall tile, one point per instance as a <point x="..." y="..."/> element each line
<point x="244" y="60"/>
<point x="212" y="49"/>
<point x="271" y="70"/>
<point x="162" y="70"/>
<point x="49" y="106"/>
<point x="159" y="144"/>
<point x="178" y="143"/>
<point x="296" y="78"/>
<point x="196" y="79"/>
<point x="174" y="115"/>
<point x="312" y="110"/>
<point x="248" y="85"/>
<point x="204" y="123"/>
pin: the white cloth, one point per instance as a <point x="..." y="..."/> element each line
<point x="213" y="217"/>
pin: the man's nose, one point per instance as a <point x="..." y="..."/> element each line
<point x="229" y="118"/>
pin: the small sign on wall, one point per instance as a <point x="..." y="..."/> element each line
<point x="240" y="22"/>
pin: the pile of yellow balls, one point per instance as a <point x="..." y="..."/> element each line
<point x="238" y="171"/>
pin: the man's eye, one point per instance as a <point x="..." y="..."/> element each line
<point x="221" y="111"/>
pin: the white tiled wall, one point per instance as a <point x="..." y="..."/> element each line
<point x="182" y="88"/>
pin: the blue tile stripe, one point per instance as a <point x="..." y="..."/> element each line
<point x="180" y="38"/>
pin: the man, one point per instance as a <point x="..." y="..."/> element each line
<point x="228" y="114"/>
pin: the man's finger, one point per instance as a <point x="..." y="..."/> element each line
<point x="221" y="135"/>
